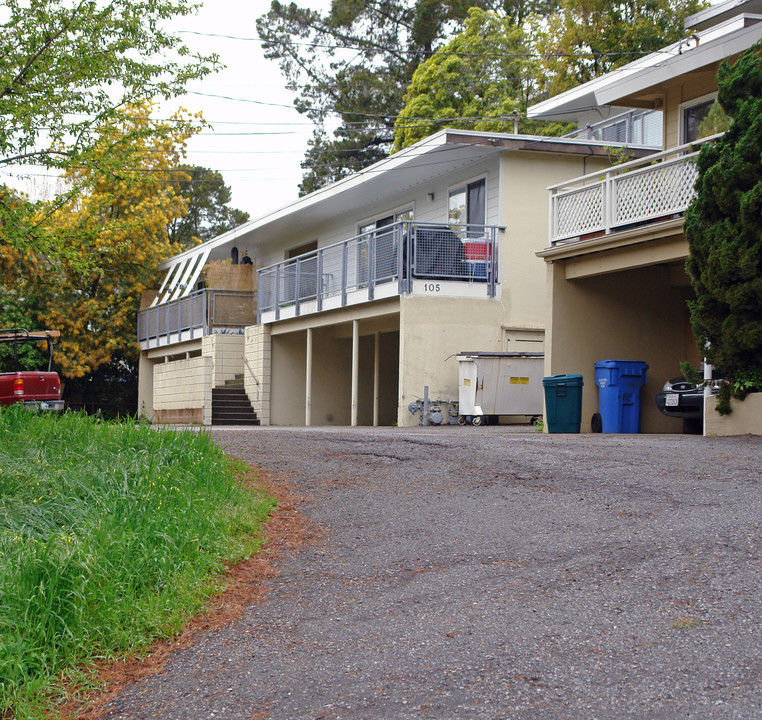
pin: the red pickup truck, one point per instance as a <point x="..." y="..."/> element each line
<point x="39" y="389"/>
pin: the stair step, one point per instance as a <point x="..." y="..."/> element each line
<point x="229" y="391"/>
<point x="243" y="401"/>
<point x="235" y="421"/>
<point x="231" y="405"/>
<point x="236" y="381"/>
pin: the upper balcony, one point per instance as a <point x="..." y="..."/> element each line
<point x="201" y="313"/>
<point x="633" y="194"/>
<point x="401" y="258"/>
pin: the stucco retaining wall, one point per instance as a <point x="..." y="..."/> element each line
<point x="746" y="418"/>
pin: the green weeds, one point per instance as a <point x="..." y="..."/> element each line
<point x="111" y="536"/>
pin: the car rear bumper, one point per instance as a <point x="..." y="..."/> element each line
<point x="46" y="405"/>
<point x="690" y="405"/>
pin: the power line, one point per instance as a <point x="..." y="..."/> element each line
<point x="360" y="48"/>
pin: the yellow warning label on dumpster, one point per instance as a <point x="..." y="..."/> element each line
<point x="519" y="381"/>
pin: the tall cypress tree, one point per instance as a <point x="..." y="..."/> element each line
<point x="724" y="230"/>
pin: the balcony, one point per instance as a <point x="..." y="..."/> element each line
<point x="397" y="259"/>
<point x="637" y="193"/>
<point x="202" y="313"/>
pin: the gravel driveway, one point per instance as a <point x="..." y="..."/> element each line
<point x="492" y="573"/>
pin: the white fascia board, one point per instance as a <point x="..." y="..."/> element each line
<point x="718" y="12"/>
<point x="677" y="59"/>
<point x="690" y="60"/>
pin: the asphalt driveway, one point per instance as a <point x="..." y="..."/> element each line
<point x="492" y="573"/>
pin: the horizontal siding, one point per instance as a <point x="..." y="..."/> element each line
<point x="425" y="210"/>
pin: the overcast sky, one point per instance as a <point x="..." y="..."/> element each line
<point x="258" y="139"/>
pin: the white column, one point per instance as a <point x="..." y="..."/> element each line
<point x="355" y="370"/>
<point x="376" y="377"/>
<point x="308" y="383"/>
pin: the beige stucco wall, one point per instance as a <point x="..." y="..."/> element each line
<point x="145" y="387"/>
<point x="183" y="385"/>
<point x="639" y="314"/>
<point x="746" y="418"/>
<point x="432" y="332"/>
<point x="525" y="179"/>
<point x="288" y="378"/>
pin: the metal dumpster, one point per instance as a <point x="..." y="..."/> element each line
<point x="492" y="384"/>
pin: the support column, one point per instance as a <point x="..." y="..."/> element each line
<point x="258" y="364"/>
<point x="355" y="371"/>
<point x="376" y="377"/>
<point x="308" y="382"/>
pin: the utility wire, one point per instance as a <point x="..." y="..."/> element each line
<point x="361" y="48"/>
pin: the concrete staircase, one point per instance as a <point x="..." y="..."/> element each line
<point x="231" y="406"/>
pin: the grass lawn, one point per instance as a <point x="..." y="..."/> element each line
<point x="111" y="536"/>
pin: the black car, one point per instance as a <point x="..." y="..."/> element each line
<point x="682" y="399"/>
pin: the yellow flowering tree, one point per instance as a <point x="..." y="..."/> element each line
<point x="113" y="235"/>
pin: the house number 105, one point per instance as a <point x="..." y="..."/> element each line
<point x="431" y="287"/>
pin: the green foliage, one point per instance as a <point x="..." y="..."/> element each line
<point x="111" y="536"/>
<point x="68" y="68"/>
<point x="354" y="62"/>
<point x="13" y="314"/>
<point x="716" y="121"/>
<point x="477" y="81"/>
<point x="724" y="231"/>
<point x="115" y="235"/>
<point x="587" y="38"/>
<point x="207" y="213"/>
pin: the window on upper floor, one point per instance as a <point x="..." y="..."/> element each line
<point x="468" y="204"/>
<point x="406" y="214"/>
<point x="693" y="115"/>
<point x="301" y="250"/>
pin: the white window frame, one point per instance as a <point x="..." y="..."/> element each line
<point x="463" y="185"/>
<point x="373" y="219"/>
<point x="683" y="106"/>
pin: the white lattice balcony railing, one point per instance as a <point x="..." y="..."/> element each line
<point x="639" y="192"/>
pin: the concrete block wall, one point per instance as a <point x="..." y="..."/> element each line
<point x="226" y="354"/>
<point x="182" y="391"/>
<point x="258" y="354"/>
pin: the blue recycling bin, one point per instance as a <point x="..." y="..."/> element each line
<point x="563" y="403"/>
<point x="619" y="383"/>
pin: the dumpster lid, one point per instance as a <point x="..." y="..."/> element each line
<point x="551" y="380"/>
<point x="620" y="363"/>
<point x="487" y="353"/>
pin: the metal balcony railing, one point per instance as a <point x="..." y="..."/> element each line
<point x="385" y="259"/>
<point x="634" y="127"/>
<point x="201" y="313"/>
<point x="639" y="192"/>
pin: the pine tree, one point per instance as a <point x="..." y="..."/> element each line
<point x="724" y="231"/>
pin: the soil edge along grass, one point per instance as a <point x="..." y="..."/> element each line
<point x="112" y="535"/>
